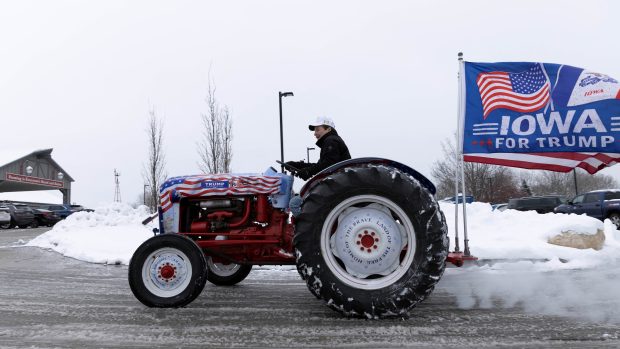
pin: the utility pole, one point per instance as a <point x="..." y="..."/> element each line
<point x="575" y="178"/>
<point x="117" y="190"/>
<point x="144" y="194"/>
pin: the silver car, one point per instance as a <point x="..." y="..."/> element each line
<point x="5" y="217"/>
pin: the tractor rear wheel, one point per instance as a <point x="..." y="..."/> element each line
<point x="226" y="274"/>
<point x="371" y="242"/>
<point x="167" y="270"/>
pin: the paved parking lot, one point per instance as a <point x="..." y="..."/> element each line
<point x="49" y="301"/>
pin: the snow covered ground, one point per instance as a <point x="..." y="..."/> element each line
<point x="108" y="235"/>
<point x="530" y="273"/>
<point x="526" y="271"/>
<point x="523" y="235"/>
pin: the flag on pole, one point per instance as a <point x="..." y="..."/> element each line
<point x="539" y="116"/>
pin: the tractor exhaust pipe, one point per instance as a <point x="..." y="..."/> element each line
<point x="280" y="95"/>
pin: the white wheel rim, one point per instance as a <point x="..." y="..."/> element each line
<point x="166" y="272"/>
<point x="222" y="269"/>
<point x="338" y="248"/>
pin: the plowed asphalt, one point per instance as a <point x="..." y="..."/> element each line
<point x="50" y="301"/>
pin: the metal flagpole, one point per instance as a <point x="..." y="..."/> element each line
<point x="457" y="148"/>
<point x="462" y="162"/>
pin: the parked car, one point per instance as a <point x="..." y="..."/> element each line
<point x="499" y="207"/>
<point x="600" y="204"/>
<point x="540" y="204"/>
<point x="80" y="208"/>
<point x="5" y="217"/>
<point x="63" y="211"/>
<point x="44" y="217"/>
<point x="77" y="208"/>
<point x="21" y="216"/>
<point x="468" y="199"/>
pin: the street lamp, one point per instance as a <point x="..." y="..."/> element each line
<point x="280" y="95"/>
<point x="308" y="153"/>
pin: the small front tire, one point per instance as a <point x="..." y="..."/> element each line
<point x="167" y="271"/>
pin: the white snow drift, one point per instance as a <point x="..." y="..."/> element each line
<point x="109" y="235"/>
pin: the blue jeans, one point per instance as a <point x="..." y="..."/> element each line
<point x="295" y="205"/>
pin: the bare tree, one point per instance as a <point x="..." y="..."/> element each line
<point x="495" y="184"/>
<point x="215" y="147"/>
<point x="226" y="140"/>
<point x="485" y="182"/>
<point x="547" y="182"/>
<point x="154" y="171"/>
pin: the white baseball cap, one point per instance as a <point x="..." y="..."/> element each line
<point x="322" y="121"/>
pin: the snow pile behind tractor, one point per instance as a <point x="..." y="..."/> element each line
<point x="108" y="235"/>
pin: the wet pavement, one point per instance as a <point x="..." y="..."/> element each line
<point x="50" y="301"/>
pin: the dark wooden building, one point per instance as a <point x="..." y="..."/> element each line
<point x="35" y="171"/>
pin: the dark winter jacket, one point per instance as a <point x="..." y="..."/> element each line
<point x="333" y="150"/>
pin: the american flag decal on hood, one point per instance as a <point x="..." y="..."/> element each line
<point x="216" y="185"/>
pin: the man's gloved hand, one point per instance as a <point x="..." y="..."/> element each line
<point x="304" y="174"/>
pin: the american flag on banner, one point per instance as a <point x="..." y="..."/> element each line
<point x="523" y="92"/>
<point x="220" y="184"/>
<point x="539" y="116"/>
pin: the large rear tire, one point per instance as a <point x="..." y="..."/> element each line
<point x="226" y="274"/>
<point x="167" y="270"/>
<point x="371" y="242"/>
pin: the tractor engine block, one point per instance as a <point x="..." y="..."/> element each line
<point x="239" y="229"/>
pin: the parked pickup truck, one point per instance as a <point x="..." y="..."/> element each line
<point x="599" y="204"/>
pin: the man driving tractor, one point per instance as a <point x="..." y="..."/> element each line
<point x="333" y="148"/>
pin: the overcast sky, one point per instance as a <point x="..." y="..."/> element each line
<point x="80" y="76"/>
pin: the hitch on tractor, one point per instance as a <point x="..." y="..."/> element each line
<point x="459" y="258"/>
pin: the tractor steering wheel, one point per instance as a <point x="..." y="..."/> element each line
<point x="293" y="169"/>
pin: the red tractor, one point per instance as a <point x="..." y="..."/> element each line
<point x="370" y="240"/>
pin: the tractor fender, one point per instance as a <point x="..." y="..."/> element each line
<point x="362" y="162"/>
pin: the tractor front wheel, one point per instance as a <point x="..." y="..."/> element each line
<point x="167" y="270"/>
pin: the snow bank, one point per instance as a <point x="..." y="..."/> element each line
<point x="108" y="235"/>
<point x="536" y="276"/>
<point x="512" y="234"/>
